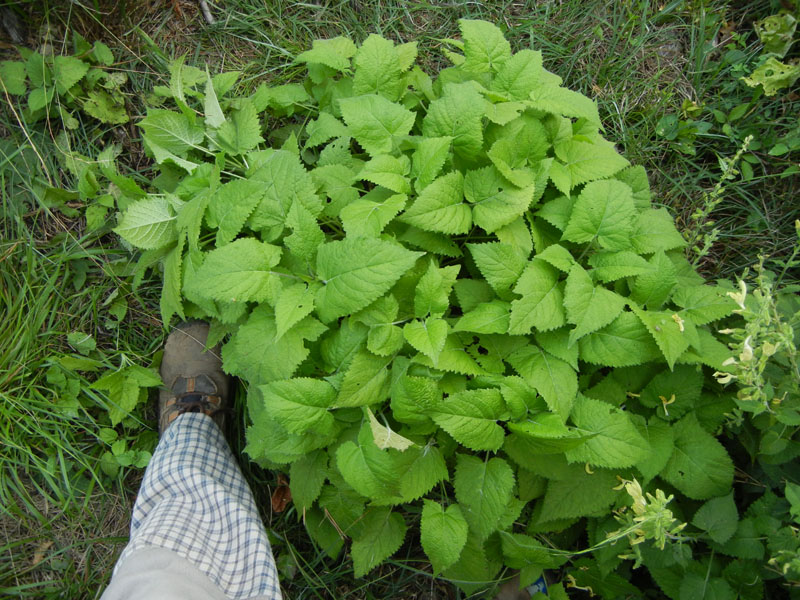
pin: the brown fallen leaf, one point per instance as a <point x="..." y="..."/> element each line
<point x="282" y="494"/>
<point x="40" y="552"/>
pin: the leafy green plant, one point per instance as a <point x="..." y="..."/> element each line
<point x="55" y="85"/>
<point x="455" y="310"/>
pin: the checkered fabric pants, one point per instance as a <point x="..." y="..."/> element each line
<point x="195" y="507"/>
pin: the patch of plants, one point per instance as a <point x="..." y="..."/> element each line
<point x="461" y="320"/>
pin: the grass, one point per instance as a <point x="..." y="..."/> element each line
<point x="63" y="518"/>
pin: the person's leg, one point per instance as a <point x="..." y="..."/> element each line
<point x="194" y="522"/>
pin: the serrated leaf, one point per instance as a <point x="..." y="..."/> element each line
<point x="703" y="303"/>
<point x="579" y="495"/>
<point x="294" y="303"/>
<point x="718" y="518"/>
<point x="564" y="102"/>
<point x="443" y="533"/>
<point x="553" y="378"/>
<point x="585" y="161"/>
<point x="431" y="296"/>
<point x="383" y="532"/>
<point x="375" y="122"/>
<point x="248" y="354"/>
<point x="655" y="230"/>
<point x="425" y="469"/>
<point x="624" y="342"/>
<point x="377" y="69"/>
<point x="171" y="301"/>
<point x="12" y="77"/>
<point x="231" y="205"/>
<point x="485" y="47"/>
<point x="500" y="264"/>
<point x="611" y="266"/>
<point x="604" y="212"/>
<point x="668" y="334"/>
<point x="660" y="440"/>
<point x="427" y="336"/>
<point x="483" y="490"/>
<point x="542" y="302"/>
<point x="699" y="466"/>
<point x="242" y="132"/>
<point x="486" y="317"/>
<point x="589" y="307"/>
<point x="306" y="476"/>
<point x="171" y="131"/>
<point x="653" y="288"/>
<point x="365" y="382"/>
<point x="148" y="224"/>
<point x="495" y="203"/>
<point x="300" y="405"/>
<point x="428" y="159"/>
<point x="365" y="218"/>
<point x="615" y="441"/>
<point x="306" y="234"/>
<point x="558" y="256"/>
<point x="67" y="71"/>
<point x="457" y="114"/>
<point x="519" y="75"/>
<point x="356" y="271"/>
<point x="441" y="207"/>
<point x="238" y="272"/>
<point x="471" y="418"/>
<point x="213" y="112"/>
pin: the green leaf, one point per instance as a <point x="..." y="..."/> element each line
<point x="334" y="53"/>
<point x="286" y="183"/>
<point x="441" y="207"/>
<point x="375" y="122"/>
<point x="623" y="342"/>
<point x="485" y="48"/>
<point x="306" y="234"/>
<point x="542" y="302"/>
<point x="611" y="266"/>
<point x="383" y="532"/>
<point x="579" y="495"/>
<point x="670" y="336"/>
<point x="500" y="264"/>
<point x="425" y="469"/>
<point x="377" y="69"/>
<point x="427" y="336"/>
<point x="615" y="441"/>
<point x="148" y="224"/>
<point x="242" y="132"/>
<point x="325" y="128"/>
<point x="519" y="75"/>
<point x="655" y="230"/>
<point x="699" y="466"/>
<point x="553" y="378"/>
<point x="703" y="303"/>
<point x="718" y="518"/>
<point x="443" y="533"/>
<point x="365" y="218"/>
<point x="238" y="272"/>
<point x="471" y="418"/>
<point x="653" y="288"/>
<point x="558" y="256"/>
<point x="82" y="342"/>
<point x="105" y="108"/>
<point x="294" y="303"/>
<point x="67" y="71"/>
<point x="495" y="202"/>
<point x="300" y="405"/>
<point x="231" y="205"/>
<point x="457" y="114"/>
<point x="365" y="382"/>
<point x="171" y="131"/>
<point x="214" y="115"/>
<point x="306" y="476"/>
<point x="12" y="77"/>
<point x="356" y="271"/>
<point x="589" y="307"/>
<point x="660" y="440"/>
<point x="604" y="212"/>
<point x="486" y="317"/>
<point x="388" y="171"/>
<point x="428" y="159"/>
<point x="483" y="490"/>
<point x="171" y="301"/>
<point x="248" y="354"/>
<point x="525" y="553"/>
<point x="433" y="290"/>
<point x="564" y="102"/>
<point x="585" y="161"/>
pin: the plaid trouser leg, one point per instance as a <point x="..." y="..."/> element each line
<point x="195" y="502"/>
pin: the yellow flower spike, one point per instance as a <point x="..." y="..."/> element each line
<point x="740" y="296"/>
<point x="747" y="351"/>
